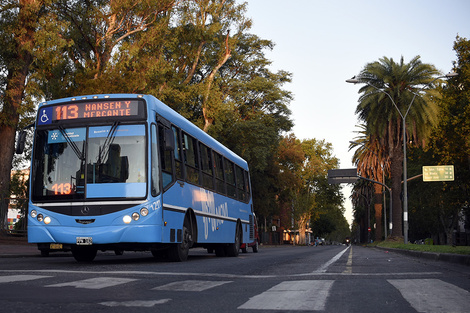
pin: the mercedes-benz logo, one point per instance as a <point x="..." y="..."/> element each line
<point x="85" y="210"/>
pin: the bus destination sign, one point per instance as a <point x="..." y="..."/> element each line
<point x="90" y="110"/>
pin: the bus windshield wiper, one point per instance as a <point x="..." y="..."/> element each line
<point x="104" y="150"/>
<point x="80" y="154"/>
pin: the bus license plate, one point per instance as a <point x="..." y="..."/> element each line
<point x="55" y="246"/>
<point x="84" y="241"/>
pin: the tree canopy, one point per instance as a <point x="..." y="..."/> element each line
<point x="197" y="56"/>
<point x="393" y="92"/>
<point x="435" y="208"/>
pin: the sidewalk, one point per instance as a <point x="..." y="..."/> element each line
<point x="446" y="257"/>
<point x="12" y="246"/>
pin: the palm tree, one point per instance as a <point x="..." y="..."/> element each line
<point x="401" y="82"/>
<point x="361" y="198"/>
<point x="372" y="162"/>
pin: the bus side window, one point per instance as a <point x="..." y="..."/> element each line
<point x="206" y="166"/>
<point x="154" y="163"/>
<point x="247" y="185"/>
<point x="219" y="173"/>
<point x="177" y="154"/>
<point x="166" y="158"/>
<point x="240" y="184"/>
<point x="230" y="179"/>
<point x="190" y="159"/>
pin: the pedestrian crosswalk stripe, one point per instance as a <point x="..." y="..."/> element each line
<point x="15" y="278"/>
<point x="135" y="303"/>
<point x="191" y="285"/>
<point x="433" y="295"/>
<point x="302" y="295"/>
<point x="95" y="283"/>
<point x="424" y="295"/>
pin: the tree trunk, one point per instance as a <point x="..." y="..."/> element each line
<point x="208" y="119"/>
<point x="16" y="81"/>
<point x="449" y="223"/>
<point x="378" y="211"/>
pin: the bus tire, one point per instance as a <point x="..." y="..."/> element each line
<point x="256" y="246"/>
<point x="233" y="249"/>
<point x="84" y="254"/>
<point x="179" y="252"/>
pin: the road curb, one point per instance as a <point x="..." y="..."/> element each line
<point x="446" y="257"/>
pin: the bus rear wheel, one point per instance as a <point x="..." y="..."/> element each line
<point x="84" y="254"/>
<point x="233" y="249"/>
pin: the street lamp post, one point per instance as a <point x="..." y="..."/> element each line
<point x="356" y="80"/>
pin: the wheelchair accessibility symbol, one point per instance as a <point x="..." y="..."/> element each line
<point x="45" y="116"/>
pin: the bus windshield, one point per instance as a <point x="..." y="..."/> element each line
<point x="89" y="162"/>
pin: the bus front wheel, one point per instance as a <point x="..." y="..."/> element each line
<point x="179" y="251"/>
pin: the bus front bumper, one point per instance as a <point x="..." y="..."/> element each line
<point x="95" y="235"/>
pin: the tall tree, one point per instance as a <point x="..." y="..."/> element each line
<point x="450" y="142"/>
<point x="303" y="167"/>
<point x="362" y="198"/>
<point x="195" y="55"/>
<point x="105" y="38"/>
<point x="18" y="24"/>
<point x="390" y="88"/>
<point x="372" y="162"/>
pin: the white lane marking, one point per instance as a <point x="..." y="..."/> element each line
<point x="433" y="295"/>
<point x="348" y="269"/>
<point x="15" y="278"/>
<point x="95" y="283"/>
<point x="135" y="303"/>
<point x="325" y="266"/>
<point x="302" y="295"/>
<point x="191" y="285"/>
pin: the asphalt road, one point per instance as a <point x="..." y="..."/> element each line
<point x="277" y="279"/>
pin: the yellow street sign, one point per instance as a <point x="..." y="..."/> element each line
<point x="438" y="173"/>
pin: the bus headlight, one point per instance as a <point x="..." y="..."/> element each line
<point x="144" y="212"/>
<point x="135" y="216"/>
<point x="127" y="219"/>
<point x="34" y="213"/>
<point x="40" y="217"/>
<point x="47" y="220"/>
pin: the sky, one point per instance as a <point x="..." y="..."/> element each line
<point x="324" y="42"/>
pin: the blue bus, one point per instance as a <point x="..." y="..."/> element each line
<point x="125" y="172"/>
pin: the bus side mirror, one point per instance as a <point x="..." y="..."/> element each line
<point x="169" y="140"/>
<point x="20" y="144"/>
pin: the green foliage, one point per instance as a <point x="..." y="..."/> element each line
<point x="200" y="59"/>
<point x="19" y="189"/>
<point x="437" y="205"/>
<point x="196" y="56"/>
<point x="426" y="248"/>
<point x="304" y="193"/>
<point x="394" y="91"/>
